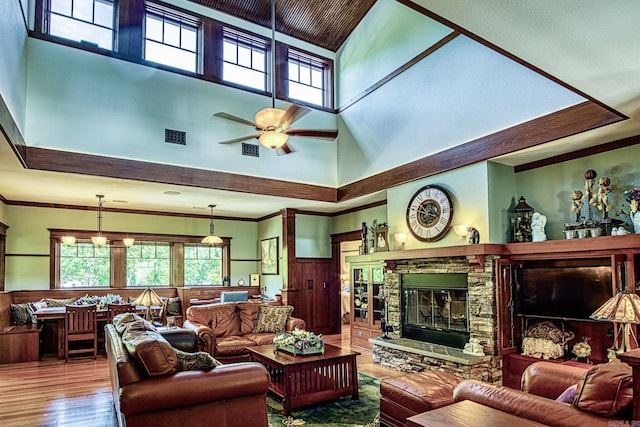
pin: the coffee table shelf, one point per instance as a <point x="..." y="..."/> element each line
<point x="308" y="379"/>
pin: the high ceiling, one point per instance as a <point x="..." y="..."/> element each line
<point x="325" y="23"/>
<point x="589" y="46"/>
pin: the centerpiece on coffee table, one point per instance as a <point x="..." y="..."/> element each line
<point x="299" y="341"/>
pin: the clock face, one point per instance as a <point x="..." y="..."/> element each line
<point x="429" y="213"/>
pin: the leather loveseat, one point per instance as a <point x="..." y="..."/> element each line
<point x="225" y="330"/>
<point x="603" y="395"/>
<point x="150" y="389"/>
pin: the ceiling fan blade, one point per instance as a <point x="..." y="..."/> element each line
<point x="315" y="133"/>
<point x="234" y="118"/>
<point x="292" y="114"/>
<point x="285" y="149"/>
<point x="244" y="138"/>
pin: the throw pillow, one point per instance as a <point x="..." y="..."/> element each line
<point x="568" y="395"/>
<point x="32" y="307"/>
<point x="150" y="350"/>
<point x="605" y="389"/>
<point x="20" y="314"/>
<point x="122" y="321"/>
<point x="272" y="318"/>
<point x="198" y="361"/>
<point x="53" y="302"/>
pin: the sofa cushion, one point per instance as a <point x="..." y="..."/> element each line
<point x="272" y="318"/>
<point x="54" y="302"/>
<point x="198" y="361"/>
<point x="263" y="338"/>
<point x="248" y="316"/>
<point x="223" y="319"/>
<point x="605" y="389"/>
<point x="232" y="346"/>
<point x="122" y="321"/>
<point x="568" y="395"/>
<point x="150" y="349"/>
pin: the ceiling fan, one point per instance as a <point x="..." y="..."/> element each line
<point x="273" y="123"/>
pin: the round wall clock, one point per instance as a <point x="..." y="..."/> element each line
<point x="429" y="213"/>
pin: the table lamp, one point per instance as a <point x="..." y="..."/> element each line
<point x="623" y="308"/>
<point x="147" y="299"/>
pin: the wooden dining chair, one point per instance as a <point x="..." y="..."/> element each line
<point x="114" y="309"/>
<point x="80" y="328"/>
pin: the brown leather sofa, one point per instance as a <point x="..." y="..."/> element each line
<point x="225" y="330"/>
<point x="542" y="383"/>
<point x="171" y="397"/>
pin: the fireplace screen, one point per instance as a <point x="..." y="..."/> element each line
<point x="435" y="309"/>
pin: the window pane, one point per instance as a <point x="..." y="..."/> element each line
<point x="171" y="33"/>
<point x="293" y="72"/>
<point x="244" y="56"/>
<point x="189" y="39"/>
<point x="202" y="265"/>
<point x="244" y="60"/>
<point x="84" y="265"/>
<point x="316" y="78"/>
<point x="305" y="93"/>
<point x="61" y="6"/>
<point x="171" y="56"/>
<point x="259" y="62"/>
<point x="244" y="76"/>
<point x="305" y="74"/>
<point x="148" y="264"/>
<point x="153" y="28"/>
<point x="229" y="53"/>
<point x="103" y="14"/>
<point x="83" y="9"/>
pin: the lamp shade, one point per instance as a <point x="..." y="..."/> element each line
<point x="267" y="118"/>
<point x="211" y="240"/>
<point x="148" y="298"/>
<point x="99" y="240"/>
<point x="624" y="307"/>
<point x="68" y="240"/>
<point x="128" y="241"/>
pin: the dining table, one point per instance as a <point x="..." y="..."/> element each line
<point x="57" y="314"/>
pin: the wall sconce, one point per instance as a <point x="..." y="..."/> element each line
<point x="400" y="238"/>
<point x="467" y="231"/>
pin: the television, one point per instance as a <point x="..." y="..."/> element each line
<point x="569" y="289"/>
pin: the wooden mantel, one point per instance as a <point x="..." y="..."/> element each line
<point x="606" y="245"/>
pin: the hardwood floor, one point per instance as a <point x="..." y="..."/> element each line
<point x="51" y="393"/>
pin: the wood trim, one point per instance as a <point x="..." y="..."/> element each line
<point x="563" y="123"/>
<point x="428" y="51"/>
<point x="111" y="167"/>
<point x="129" y="23"/>
<point x="505" y="53"/>
<point x="11" y="132"/>
<point x="614" y="145"/>
<point x="361" y="208"/>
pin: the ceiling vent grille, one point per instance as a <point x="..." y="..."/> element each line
<point x="175" y="137"/>
<point x="252" y="150"/>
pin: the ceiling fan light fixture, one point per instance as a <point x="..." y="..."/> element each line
<point x="273" y="140"/>
<point x="268" y="117"/>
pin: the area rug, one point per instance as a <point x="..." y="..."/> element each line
<point x="342" y="412"/>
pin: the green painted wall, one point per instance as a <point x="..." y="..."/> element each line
<point x="13" y="66"/>
<point x="548" y="189"/>
<point x="313" y="236"/>
<point x="502" y="188"/>
<point x="272" y="227"/>
<point x="27" y="243"/>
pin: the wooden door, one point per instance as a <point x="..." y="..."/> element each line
<point x="315" y="294"/>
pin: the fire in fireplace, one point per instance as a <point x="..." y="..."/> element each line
<point x="435" y="308"/>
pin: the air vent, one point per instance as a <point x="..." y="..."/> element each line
<point x="250" y="150"/>
<point x="175" y="137"/>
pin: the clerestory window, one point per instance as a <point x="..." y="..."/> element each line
<point x="171" y="39"/>
<point x="85" y="21"/>
<point x="244" y="59"/>
<point x="309" y="78"/>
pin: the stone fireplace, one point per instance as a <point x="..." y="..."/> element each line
<point x="410" y="350"/>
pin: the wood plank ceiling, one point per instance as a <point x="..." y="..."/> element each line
<point x="324" y="23"/>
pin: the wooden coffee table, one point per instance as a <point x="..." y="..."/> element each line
<point x="467" y="413"/>
<point x="305" y="380"/>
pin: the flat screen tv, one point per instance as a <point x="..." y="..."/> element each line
<point x="562" y="291"/>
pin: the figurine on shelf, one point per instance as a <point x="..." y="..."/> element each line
<point x="633" y="197"/>
<point x="603" y="196"/>
<point x="538" y="222"/>
<point x="576" y="203"/>
<point x="473" y="347"/>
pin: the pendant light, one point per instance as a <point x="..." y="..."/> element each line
<point x="211" y="239"/>
<point x="99" y="240"/>
<point x="128" y="241"/>
<point x="68" y="240"/>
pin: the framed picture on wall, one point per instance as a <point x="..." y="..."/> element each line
<point x="381" y="239"/>
<point x="269" y="256"/>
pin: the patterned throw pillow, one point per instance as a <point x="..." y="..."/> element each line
<point x="198" y="361"/>
<point x="20" y="314"/>
<point x="32" y="307"/>
<point x="272" y="318"/>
